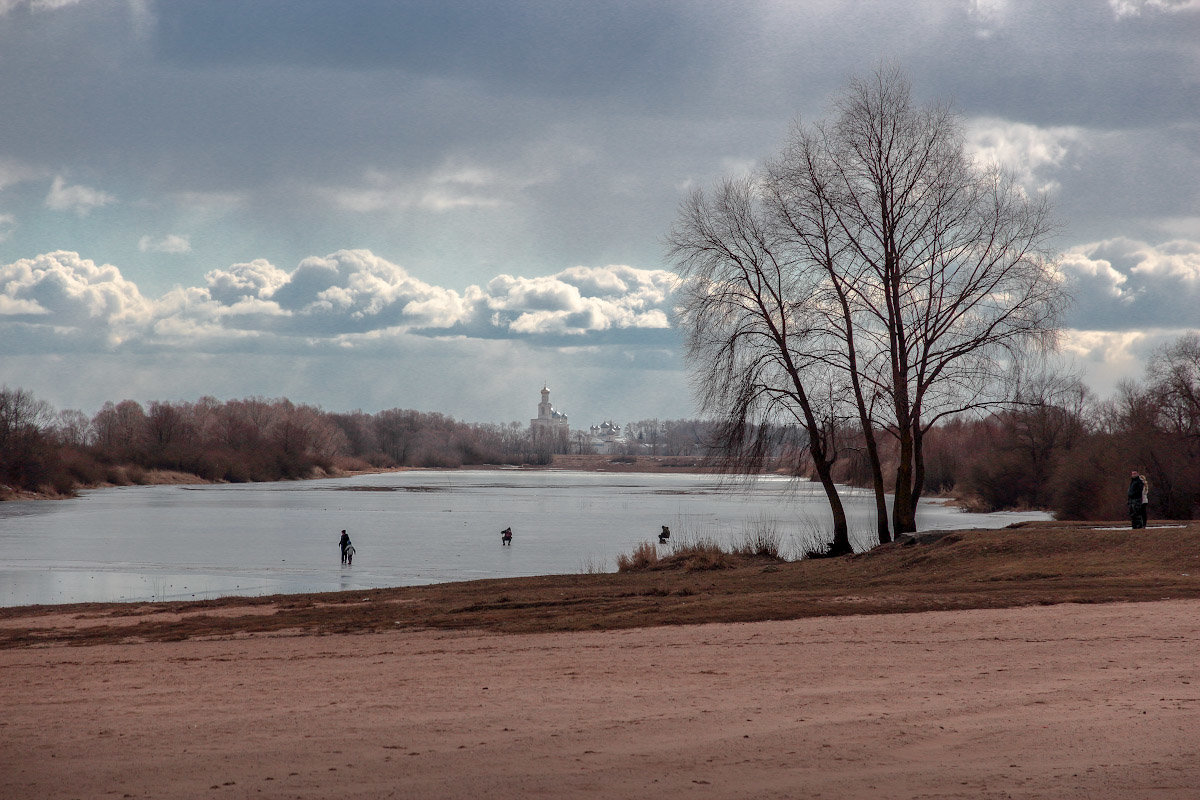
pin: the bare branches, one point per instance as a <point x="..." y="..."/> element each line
<point x="872" y="257"/>
<point x="754" y="335"/>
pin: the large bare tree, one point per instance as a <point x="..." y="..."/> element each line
<point x="923" y="277"/>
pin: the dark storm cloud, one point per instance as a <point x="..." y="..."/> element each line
<point x="575" y="49"/>
<point x="1077" y="63"/>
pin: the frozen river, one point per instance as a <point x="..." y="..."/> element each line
<point x="183" y="542"/>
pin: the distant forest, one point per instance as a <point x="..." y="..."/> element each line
<point x="1057" y="448"/>
<point x="259" y="439"/>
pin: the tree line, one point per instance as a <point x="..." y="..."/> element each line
<point x="253" y="439"/>
<point x="258" y="439"/>
<point x="1073" y="454"/>
<point x="1055" y="447"/>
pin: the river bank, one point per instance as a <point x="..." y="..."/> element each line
<point x="1036" y="563"/>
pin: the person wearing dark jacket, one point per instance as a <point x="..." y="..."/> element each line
<point x="1138" y="497"/>
<point x="344" y="542"/>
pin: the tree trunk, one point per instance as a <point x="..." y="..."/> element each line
<point x="904" y="516"/>
<point x="918" y="484"/>
<point x="823" y="463"/>
<point x="881" y="513"/>
<point x="840" y="546"/>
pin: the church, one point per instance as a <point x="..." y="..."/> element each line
<point x="548" y="420"/>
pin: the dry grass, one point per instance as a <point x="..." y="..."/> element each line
<point x="699" y="556"/>
<point x="644" y="556"/>
<point x="1038" y="563"/>
<point x="761" y="539"/>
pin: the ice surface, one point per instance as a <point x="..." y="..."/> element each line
<point x="416" y="527"/>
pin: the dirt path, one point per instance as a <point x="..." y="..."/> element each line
<point x="1087" y="701"/>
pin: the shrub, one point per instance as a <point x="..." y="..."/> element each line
<point x="702" y="556"/>
<point x="82" y="467"/>
<point x="644" y="556"/>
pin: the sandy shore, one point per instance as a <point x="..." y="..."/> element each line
<point x="1065" y="701"/>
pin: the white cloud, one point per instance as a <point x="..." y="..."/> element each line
<point x="1123" y="284"/>
<point x="254" y="279"/>
<point x="171" y="243"/>
<point x="1107" y="358"/>
<point x="355" y="290"/>
<point x="1178" y="260"/>
<point x="14" y="172"/>
<point x="581" y="300"/>
<point x="7" y="223"/>
<point x="349" y="299"/>
<point x="456" y="183"/>
<point x="1135" y="8"/>
<point x="451" y="187"/>
<point x="1027" y="150"/>
<point x="1180" y="227"/>
<point x="1098" y="274"/>
<point x="1114" y="348"/>
<point x="988" y="15"/>
<point x="35" y="5"/>
<point x="74" y="296"/>
<point x="80" y="199"/>
<point x="13" y="306"/>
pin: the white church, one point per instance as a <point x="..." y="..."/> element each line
<point x="548" y="420"/>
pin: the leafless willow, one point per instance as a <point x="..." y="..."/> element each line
<point x="754" y="336"/>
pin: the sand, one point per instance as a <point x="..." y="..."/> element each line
<point x="1063" y="701"/>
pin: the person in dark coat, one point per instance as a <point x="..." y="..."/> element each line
<point x="344" y="542"/>
<point x="1139" y="494"/>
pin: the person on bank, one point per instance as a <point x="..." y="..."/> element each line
<point x="1145" y="500"/>
<point x="1138" y="499"/>
<point x="344" y="542"/>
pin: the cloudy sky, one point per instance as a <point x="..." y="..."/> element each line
<point x="441" y="205"/>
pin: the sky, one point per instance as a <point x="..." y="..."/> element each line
<point x="446" y="205"/>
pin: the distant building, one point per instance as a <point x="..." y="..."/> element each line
<point x="548" y="420"/>
<point x="605" y="436"/>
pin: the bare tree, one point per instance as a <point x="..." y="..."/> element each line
<point x="73" y="428"/>
<point x="121" y="430"/>
<point x="958" y="285"/>
<point x="1173" y="373"/>
<point x="935" y="276"/>
<point x="873" y="260"/>
<point x="753" y="333"/>
<point x="25" y="451"/>
<point x="1170" y="442"/>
